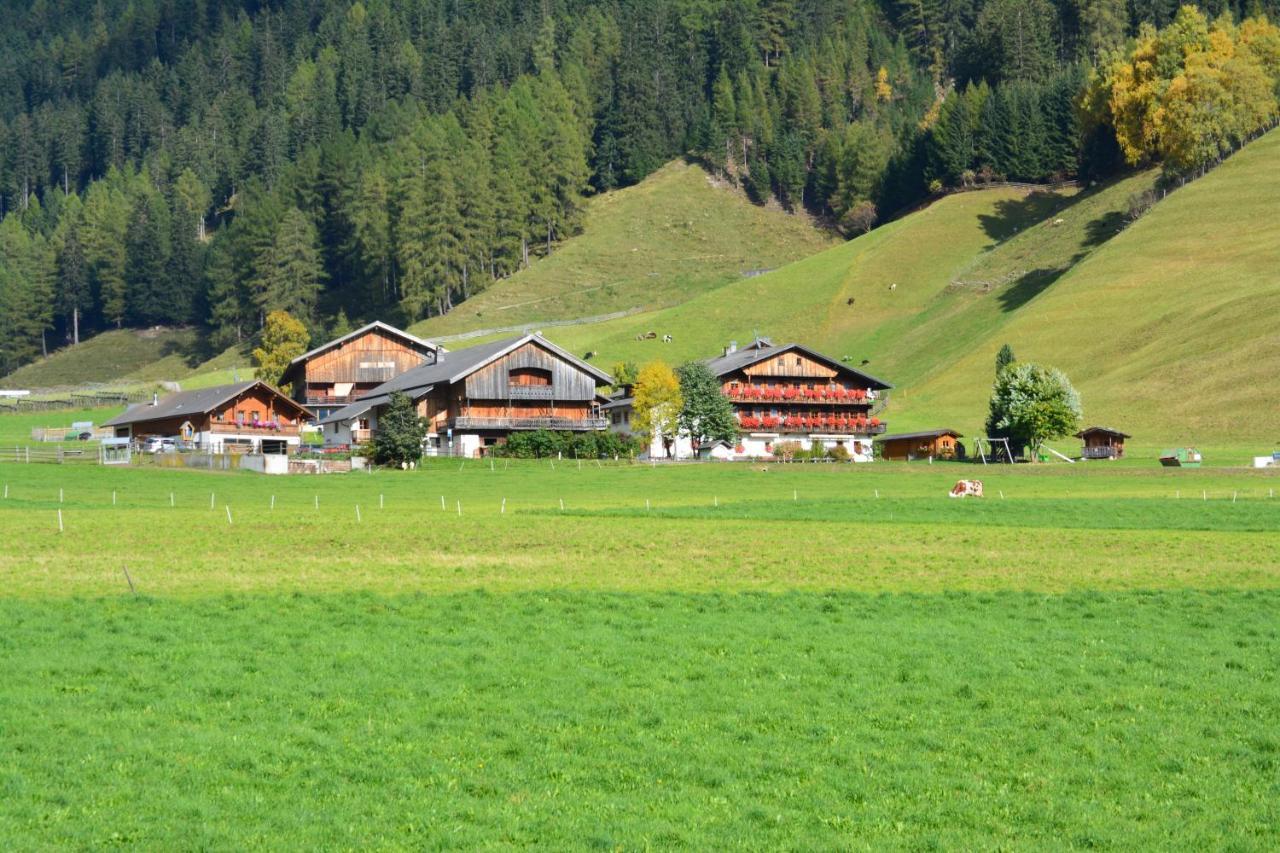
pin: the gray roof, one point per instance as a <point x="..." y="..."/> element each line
<point x="198" y="402"/>
<point x="763" y="348"/>
<point x="929" y="433"/>
<point x="1082" y="433"/>
<point x="447" y="369"/>
<point x="617" y="402"/>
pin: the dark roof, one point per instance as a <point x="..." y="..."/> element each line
<point x="618" y="402"/>
<point x="198" y="402"/>
<point x="762" y="348"/>
<point x="368" y="327"/>
<point x="929" y="433"/>
<point x="449" y="368"/>
<point x="1082" y="433"/>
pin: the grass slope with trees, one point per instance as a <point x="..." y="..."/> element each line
<point x="676" y="234"/>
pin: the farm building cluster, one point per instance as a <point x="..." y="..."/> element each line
<point x="785" y="398"/>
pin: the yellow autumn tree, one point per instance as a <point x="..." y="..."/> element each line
<point x="657" y="403"/>
<point x="284" y="338"/>
<point x="1187" y="95"/>
<point x="884" y="89"/>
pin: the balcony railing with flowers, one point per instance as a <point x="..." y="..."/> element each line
<point x="792" y="394"/>
<point x="821" y="423"/>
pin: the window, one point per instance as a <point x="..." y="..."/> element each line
<point x="798" y="362"/>
<point x="529" y="376"/>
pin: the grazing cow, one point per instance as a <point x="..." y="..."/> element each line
<point x="666" y="339"/>
<point x="967" y="488"/>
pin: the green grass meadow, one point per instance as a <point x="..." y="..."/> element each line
<point x="704" y="656"/>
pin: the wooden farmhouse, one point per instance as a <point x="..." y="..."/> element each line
<point x="793" y="393"/>
<point x="1101" y="443"/>
<point x="247" y="417"/>
<point x="929" y="444"/>
<point x="779" y="393"/>
<point x="346" y="368"/>
<point x="474" y="398"/>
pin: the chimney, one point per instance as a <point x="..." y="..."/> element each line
<point x="155" y="398"/>
<point x="731" y="348"/>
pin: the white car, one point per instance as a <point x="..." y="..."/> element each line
<point x="158" y="444"/>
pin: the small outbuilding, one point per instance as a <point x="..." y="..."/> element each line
<point x="1101" y="443"/>
<point x="932" y="443"/>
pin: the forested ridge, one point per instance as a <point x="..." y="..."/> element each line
<point x="171" y="162"/>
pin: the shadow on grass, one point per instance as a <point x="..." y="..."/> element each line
<point x="1102" y="229"/>
<point x="1032" y="284"/>
<point x="194" y="350"/>
<point x="1016" y="214"/>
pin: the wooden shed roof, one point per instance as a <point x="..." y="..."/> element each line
<point x="1106" y="430"/>
<point x="928" y="433"/>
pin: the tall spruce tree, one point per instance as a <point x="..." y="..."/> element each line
<point x="292" y="274"/>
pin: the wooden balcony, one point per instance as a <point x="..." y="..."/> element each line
<point x="776" y="425"/>
<point x="1101" y="452"/>
<point x="231" y="428"/>
<point x="587" y="423"/>
<point x="328" y="399"/>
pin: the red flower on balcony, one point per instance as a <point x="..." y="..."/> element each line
<point x="769" y="422"/>
<point x="789" y="394"/>
<point x="875" y="422"/>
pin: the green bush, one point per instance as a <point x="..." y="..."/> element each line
<point x="541" y="443"/>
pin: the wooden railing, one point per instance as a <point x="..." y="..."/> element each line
<point x="530" y="392"/>
<point x="328" y="399"/>
<point x="821" y="429"/>
<point x="253" y="429"/>
<point x="467" y="422"/>
<point x="1101" y="452"/>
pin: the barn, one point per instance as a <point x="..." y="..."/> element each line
<point x="474" y="398"/>
<point x="348" y="367"/>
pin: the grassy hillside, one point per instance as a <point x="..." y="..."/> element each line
<point x="847" y="300"/>
<point x="130" y="356"/>
<point x="1166" y="327"/>
<point x="674" y="235"/>
<point x="1169" y="329"/>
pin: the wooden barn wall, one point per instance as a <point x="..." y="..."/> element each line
<point x="790" y="364"/>
<point x="266" y="404"/>
<point x="568" y="382"/>
<point x="794" y="365"/>
<point x="342" y="363"/>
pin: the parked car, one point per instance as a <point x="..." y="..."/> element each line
<point x="159" y="444"/>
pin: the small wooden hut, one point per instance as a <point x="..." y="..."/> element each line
<point x="1101" y="443"/>
<point x="933" y="443"/>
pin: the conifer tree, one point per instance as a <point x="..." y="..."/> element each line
<point x="292" y="274"/>
<point x="149" y="298"/>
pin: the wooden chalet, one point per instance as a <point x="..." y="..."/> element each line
<point x="346" y="368"/>
<point x="928" y="444"/>
<point x="474" y="398"/>
<point x="792" y="393"/>
<point x="247" y="416"/>
<point x="1101" y="443"/>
